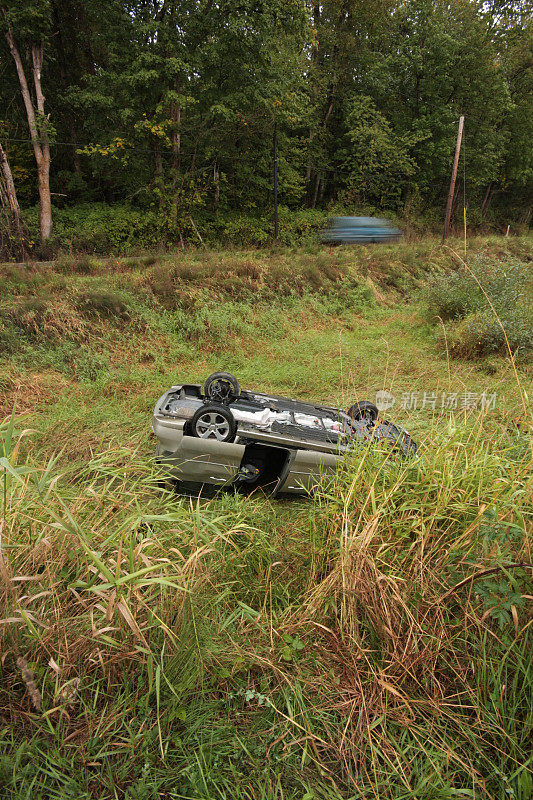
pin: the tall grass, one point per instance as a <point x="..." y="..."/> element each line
<point x="375" y="642"/>
<point x="489" y="305"/>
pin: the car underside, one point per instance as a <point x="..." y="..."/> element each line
<point x="249" y="440"/>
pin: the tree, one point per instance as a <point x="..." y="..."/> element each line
<point x="377" y="158"/>
<point x="38" y="122"/>
<point x="170" y="105"/>
<point x="13" y="233"/>
<point x="8" y="193"/>
<point x="344" y="33"/>
<point x="436" y="63"/>
<point x="512" y="29"/>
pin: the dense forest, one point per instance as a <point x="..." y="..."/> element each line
<point x="164" y="113"/>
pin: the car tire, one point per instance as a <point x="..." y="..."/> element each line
<point x="222" y="387"/>
<point x="363" y="410"/>
<point x="213" y="421"/>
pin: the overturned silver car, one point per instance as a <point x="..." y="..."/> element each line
<point x="249" y="440"/>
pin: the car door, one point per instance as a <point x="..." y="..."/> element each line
<point x="206" y="460"/>
<point x="306" y="469"/>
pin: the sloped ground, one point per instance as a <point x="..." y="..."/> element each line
<point x="371" y="642"/>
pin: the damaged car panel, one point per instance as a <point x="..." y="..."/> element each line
<point x="250" y="440"/>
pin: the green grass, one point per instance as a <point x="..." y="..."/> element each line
<point x="374" y="641"/>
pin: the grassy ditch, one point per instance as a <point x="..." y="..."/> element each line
<point x="374" y="641"/>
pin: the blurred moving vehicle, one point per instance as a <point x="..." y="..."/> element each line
<point x="359" y="230"/>
<point x="248" y="440"/>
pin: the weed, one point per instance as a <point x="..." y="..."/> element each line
<point x="77" y="265"/>
<point x="9" y="337"/>
<point x="373" y="641"/>
<point x="103" y="304"/>
<point x="232" y="637"/>
<point x="32" y="314"/>
<point x="163" y="285"/>
<point x="457" y="297"/>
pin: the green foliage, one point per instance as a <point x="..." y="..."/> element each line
<point x="480" y="333"/>
<point x="100" y="228"/>
<point x="475" y="329"/>
<point x="248" y="230"/>
<point x="378" y="159"/>
<point x="501" y="597"/>
<point x="103" y="304"/>
<point x="167" y="111"/>
<point x="30" y="19"/>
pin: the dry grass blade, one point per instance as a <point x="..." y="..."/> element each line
<point x="29" y="679"/>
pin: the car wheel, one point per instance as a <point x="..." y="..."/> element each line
<point x="221" y="387"/>
<point x="364" y="410"/>
<point x="214" y="422"/>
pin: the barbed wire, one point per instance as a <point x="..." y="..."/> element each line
<point x="216" y="160"/>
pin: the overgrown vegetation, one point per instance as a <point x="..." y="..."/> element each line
<point x="371" y="642"/>
<point x="103" y="228"/>
<point x="490" y="303"/>
<point x="153" y="123"/>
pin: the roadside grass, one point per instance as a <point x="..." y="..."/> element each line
<point x="322" y="324"/>
<point x="491" y="305"/>
<point x="372" y="642"/>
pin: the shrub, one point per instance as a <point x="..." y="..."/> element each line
<point x="480" y="333"/>
<point x="247" y="231"/>
<point x="300" y="227"/>
<point x="102" y="228"/>
<point x="103" y="304"/>
<point x="475" y="329"/>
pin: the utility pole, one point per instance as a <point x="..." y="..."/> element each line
<point x="275" y="182"/>
<point x="454" y="176"/>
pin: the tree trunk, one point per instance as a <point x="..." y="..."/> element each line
<point x="62" y="61"/>
<point x="216" y="180"/>
<point x="159" y="182"/>
<point x="45" y="200"/>
<point x="10" y="191"/>
<point x="175" y="115"/>
<point x="158" y="163"/>
<point x="322" y="189"/>
<point x="13" y="233"/>
<point x="315" y="193"/>
<point x="486" y="200"/>
<point x="38" y="130"/>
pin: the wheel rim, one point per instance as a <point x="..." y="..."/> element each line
<point x="220" y="390"/>
<point x="212" y="426"/>
<point x="363" y="414"/>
